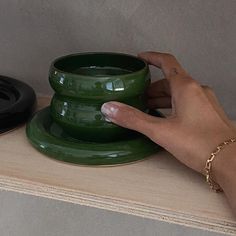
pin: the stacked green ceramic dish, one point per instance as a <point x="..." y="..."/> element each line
<point x="73" y="129"/>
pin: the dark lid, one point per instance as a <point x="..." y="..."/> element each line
<point x="17" y="101"/>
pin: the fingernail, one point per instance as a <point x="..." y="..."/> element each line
<point x="109" y="109"/>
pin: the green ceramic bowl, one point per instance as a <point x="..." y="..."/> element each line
<point x="83" y="82"/>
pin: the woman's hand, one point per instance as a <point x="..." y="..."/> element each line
<point x="197" y="123"/>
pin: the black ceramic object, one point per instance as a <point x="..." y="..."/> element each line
<point x="17" y="101"/>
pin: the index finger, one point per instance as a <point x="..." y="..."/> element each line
<point x="166" y="62"/>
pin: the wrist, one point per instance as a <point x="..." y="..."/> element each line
<point x="224" y="166"/>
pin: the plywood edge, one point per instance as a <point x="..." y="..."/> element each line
<point x="116" y="205"/>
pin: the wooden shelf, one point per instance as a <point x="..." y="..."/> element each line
<point x="158" y="188"/>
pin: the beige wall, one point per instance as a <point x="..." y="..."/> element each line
<point x="202" y="34"/>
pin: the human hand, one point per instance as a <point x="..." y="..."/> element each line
<point x="197" y="123"/>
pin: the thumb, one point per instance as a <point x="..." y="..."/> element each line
<point x="132" y="118"/>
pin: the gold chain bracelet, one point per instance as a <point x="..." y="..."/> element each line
<point x="213" y="185"/>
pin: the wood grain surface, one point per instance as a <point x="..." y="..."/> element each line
<point x="158" y="188"/>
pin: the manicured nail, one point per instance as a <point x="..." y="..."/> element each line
<point x="109" y="109"/>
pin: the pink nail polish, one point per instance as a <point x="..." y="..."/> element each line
<point x="109" y="109"/>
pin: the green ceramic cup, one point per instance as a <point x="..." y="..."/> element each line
<point x="83" y="82"/>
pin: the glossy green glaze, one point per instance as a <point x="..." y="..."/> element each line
<point x="73" y="129"/>
<point x="49" y="138"/>
<point x="83" y="82"/>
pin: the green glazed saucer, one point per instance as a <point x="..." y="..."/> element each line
<point x="49" y="138"/>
